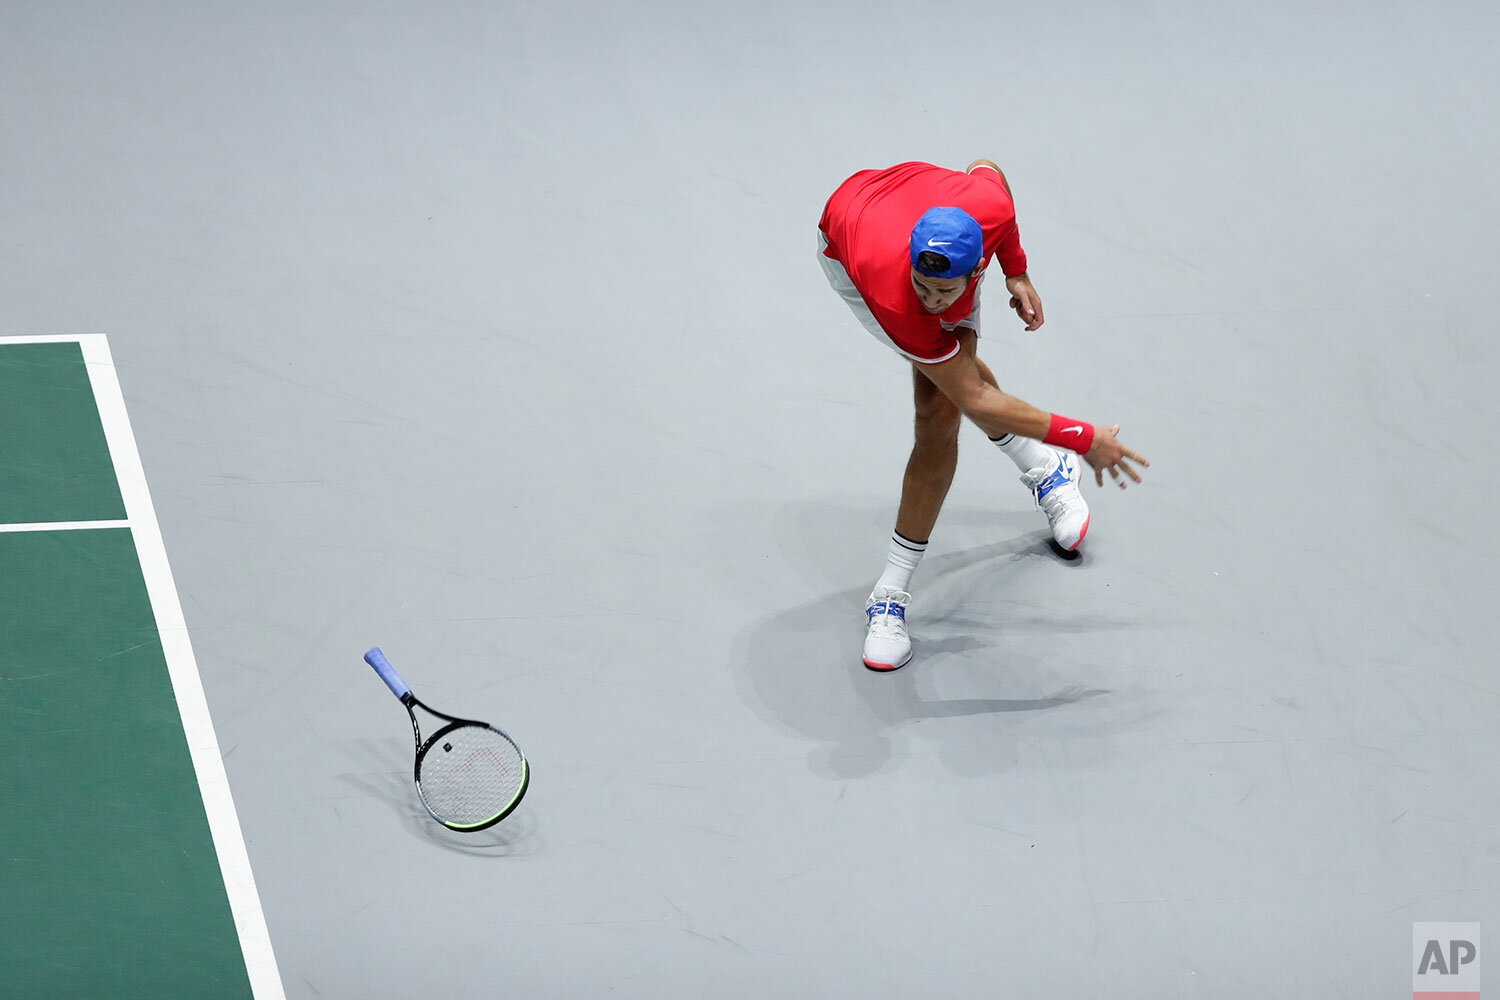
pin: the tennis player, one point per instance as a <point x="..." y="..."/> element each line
<point x="907" y="249"/>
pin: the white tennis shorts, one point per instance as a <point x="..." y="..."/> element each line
<point x="839" y="280"/>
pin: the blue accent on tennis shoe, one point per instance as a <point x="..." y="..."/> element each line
<point x="880" y="608"/>
<point x="1061" y="476"/>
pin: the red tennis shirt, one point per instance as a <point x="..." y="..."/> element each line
<point x="868" y="223"/>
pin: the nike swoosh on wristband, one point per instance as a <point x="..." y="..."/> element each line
<point x="936" y="243"/>
<point x="1072" y="430"/>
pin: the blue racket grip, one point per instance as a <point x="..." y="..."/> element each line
<point x="375" y="658"/>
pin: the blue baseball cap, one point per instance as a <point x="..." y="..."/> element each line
<point x="951" y="232"/>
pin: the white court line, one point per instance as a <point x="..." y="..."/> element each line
<point x="58" y="338"/>
<point x="63" y="525"/>
<point x="213" y="782"/>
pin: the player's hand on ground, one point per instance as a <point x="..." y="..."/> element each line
<point x="1107" y="454"/>
<point x="1025" y="301"/>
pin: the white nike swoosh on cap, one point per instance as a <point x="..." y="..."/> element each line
<point x="936" y="243"/>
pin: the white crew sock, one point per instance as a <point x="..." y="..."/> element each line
<point x="1027" y="453"/>
<point x="900" y="563"/>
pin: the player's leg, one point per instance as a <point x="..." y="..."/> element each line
<point x="929" y="474"/>
<point x="934" y="458"/>
<point x="1052" y="475"/>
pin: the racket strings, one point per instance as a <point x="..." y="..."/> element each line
<point x="471" y="774"/>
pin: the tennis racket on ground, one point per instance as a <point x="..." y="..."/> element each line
<point x="469" y="774"/>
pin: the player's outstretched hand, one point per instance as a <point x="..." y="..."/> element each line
<point x="1107" y="454"/>
<point x="1025" y="301"/>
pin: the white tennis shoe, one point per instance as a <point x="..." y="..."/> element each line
<point x="887" y="646"/>
<point x="1055" y="489"/>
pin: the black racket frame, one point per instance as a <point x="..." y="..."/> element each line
<point x="411" y="701"/>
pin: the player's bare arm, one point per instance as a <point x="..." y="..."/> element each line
<point x="1023" y="296"/>
<point x="993" y="166"/>
<point x="995" y="412"/>
<point x="1107" y="454"/>
<point x="1025" y="301"/>
<point x="998" y="413"/>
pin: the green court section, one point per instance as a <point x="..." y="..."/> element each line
<point x="108" y="876"/>
<point x="54" y="462"/>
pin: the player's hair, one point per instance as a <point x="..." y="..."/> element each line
<point x="931" y="262"/>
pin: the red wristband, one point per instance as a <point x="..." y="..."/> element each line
<point x="1075" y="435"/>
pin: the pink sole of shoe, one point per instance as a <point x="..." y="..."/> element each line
<point x="887" y="667"/>
<point x="1085" y="531"/>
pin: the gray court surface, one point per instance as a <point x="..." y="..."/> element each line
<point x="492" y="333"/>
